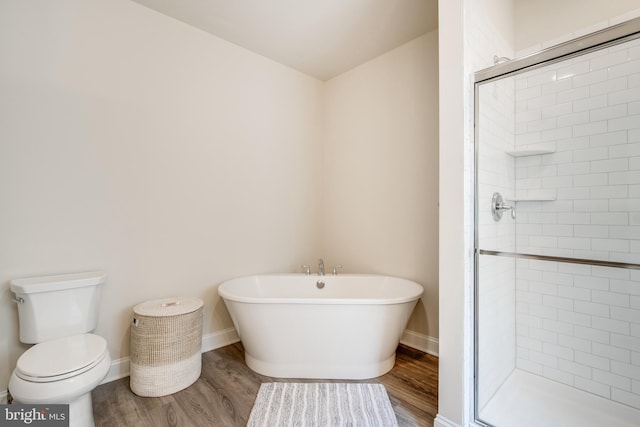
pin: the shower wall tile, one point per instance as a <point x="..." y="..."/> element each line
<point x="574" y="293"/>
<point x="631" y="399"/>
<point x="606" y="113"/>
<point x="610" y="352"/>
<point x="623" y="123"/>
<point x="624" y="95"/>
<point x="610" y="218"/>
<point x="575" y="368"/>
<point x="588" y="359"/>
<point x="544" y="311"/>
<point x="529" y="366"/>
<point x="626" y="369"/>
<point x="589" y="103"/>
<point x="613" y="380"/>
<point x="628" y="315"/>
<point x="574" y="318"/>
<point x="591" y="308"/>
<point x="591" y="334"/>
<point x="610" y="298"/>
<point x="591" y="230"/>
<point x="626" y="341"/>
<point x="610" y="139"/>
<point x="557" y="375"/>
<point x="625" y="287"/>
<point x="593" y="387"/>
<point x="612" y="273"/>
<point x="611" y="325"/>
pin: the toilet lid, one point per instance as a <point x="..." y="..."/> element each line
<point x="62" y="358"/>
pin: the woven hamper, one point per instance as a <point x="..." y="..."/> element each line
<point x="166" y="346"/>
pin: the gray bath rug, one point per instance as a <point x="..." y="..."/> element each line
<point x="322" y="405"/>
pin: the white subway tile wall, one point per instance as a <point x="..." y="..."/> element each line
<point x="580" y="324"/>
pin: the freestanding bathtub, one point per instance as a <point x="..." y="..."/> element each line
<point x="333" y="327"/>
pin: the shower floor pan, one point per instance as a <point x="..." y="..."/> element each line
<point x="527" y="400"/>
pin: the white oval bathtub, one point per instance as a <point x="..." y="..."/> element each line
<point x="292" y="328"/>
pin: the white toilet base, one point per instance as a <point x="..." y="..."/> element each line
<point x="81" y="412"/>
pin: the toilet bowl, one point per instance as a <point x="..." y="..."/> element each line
<point x="67" y="362"/>
<point x="59" y="371"/>
<point x="51" y="373"/>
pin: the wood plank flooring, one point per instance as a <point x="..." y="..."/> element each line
<point x="224" y="394"/>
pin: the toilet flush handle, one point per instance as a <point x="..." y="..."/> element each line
<point x="18" y="300"/>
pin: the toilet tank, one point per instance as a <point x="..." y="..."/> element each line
<point x="57" y="306"/>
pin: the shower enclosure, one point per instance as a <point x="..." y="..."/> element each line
<point x="557" y="235"/>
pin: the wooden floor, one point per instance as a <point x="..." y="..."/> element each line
<point x="225" y="392"/>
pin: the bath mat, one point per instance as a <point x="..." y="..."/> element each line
<point x="322" y="404"/>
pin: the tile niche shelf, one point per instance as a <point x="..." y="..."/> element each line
<point x="526" y="153"/>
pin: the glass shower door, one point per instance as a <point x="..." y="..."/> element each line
<point x="558" y="240"/>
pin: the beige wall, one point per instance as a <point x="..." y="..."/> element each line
<point x="533" y="25"/>
<point x="545" y="20"/>
<point x="495" y="21"/>
<point x="133" y="143"/>
<point x="173" y="160"/>
<point x="380" y="171"/>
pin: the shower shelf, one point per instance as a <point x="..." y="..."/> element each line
<point x="525" y="153"/>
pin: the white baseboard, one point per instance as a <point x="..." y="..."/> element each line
<point x="120" y="367"/>
<point x="420" y="342"/>
<point x="441" y="421"/>
<point x="219" y="339"/>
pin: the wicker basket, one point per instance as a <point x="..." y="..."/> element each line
<point x="166" y="346"/>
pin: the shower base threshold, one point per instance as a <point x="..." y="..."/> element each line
<point x="527" y="400"/>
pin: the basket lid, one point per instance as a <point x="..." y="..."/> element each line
<point x="168" y="306"/>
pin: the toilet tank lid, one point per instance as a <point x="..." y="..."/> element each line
<point x="59" y="282"/>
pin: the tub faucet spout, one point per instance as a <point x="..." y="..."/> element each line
<point x="321" y="267"/>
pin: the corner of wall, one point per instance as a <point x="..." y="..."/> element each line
<point x="420" y="342"/>
<point x="441" y="421"/>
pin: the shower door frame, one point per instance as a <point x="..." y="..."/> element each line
<point x="617" y="34"/>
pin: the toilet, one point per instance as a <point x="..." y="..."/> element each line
<point x="57" y="314"/>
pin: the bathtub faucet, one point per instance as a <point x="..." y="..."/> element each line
<point x="321" y="267"/>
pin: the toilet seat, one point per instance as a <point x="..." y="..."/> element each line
<point x="60" y="359"/>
